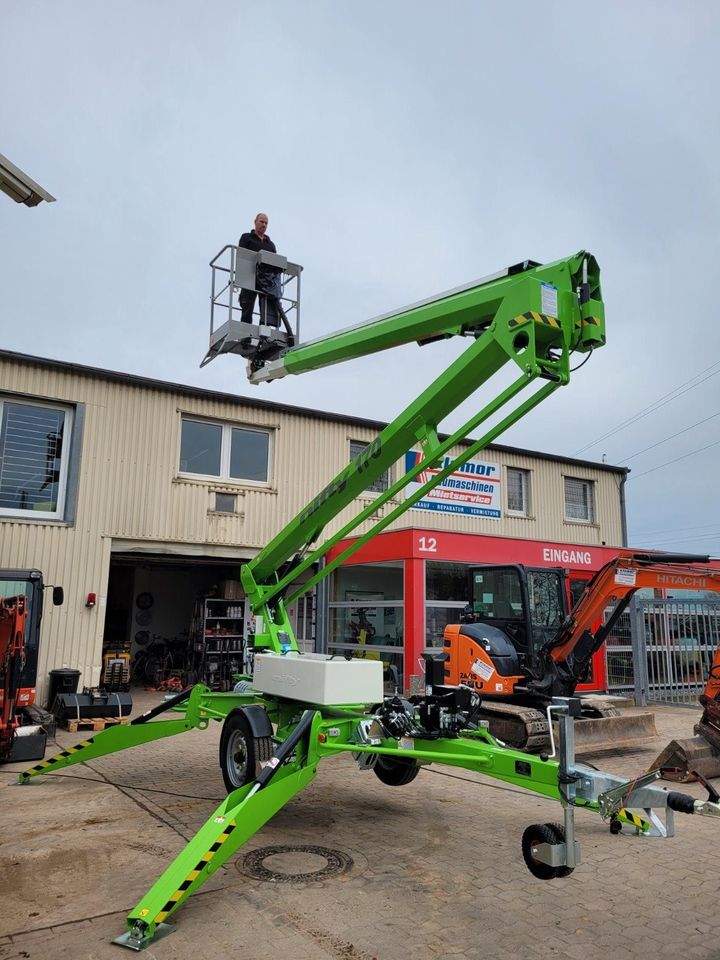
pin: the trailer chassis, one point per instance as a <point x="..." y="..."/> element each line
<point x="305" y="734"/>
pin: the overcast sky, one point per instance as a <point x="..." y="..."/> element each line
<point x="400" y="149"/>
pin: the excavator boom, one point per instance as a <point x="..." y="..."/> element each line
<point x="617" y="582"/>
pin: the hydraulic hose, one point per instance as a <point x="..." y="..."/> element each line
<point x="284" y="750"/>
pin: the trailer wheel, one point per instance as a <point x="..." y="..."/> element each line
<point x="241" y="751"/>
<point x="551" y="833"/>
<point x="396" y="771"/>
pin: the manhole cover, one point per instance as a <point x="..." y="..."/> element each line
<point x="294" y="864"/>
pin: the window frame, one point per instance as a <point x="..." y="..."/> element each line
<point x="305" y="618"/>
<point x="64" y="474"/>
<point x="590" y="485"/>
<point x="525" y="512"/>
<point x="227" y="427"/>
<point x="388" y="474"/>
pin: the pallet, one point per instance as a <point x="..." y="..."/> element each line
<point x="95" y="724"/>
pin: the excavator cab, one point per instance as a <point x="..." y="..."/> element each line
<point x="514" y="610"/>
<point x="271" y="326"/>
<point x="528" y="604"/>
<point x="516" y="615"/>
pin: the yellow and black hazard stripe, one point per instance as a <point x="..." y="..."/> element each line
<point x="634" y="819"/>
<point x="588" y="322"/>
<point x="42" y="767"/>
<point x="537" y="317"/>
<point x="194" y="873"/>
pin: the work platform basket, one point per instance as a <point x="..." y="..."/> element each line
<point x="275" y="325"/>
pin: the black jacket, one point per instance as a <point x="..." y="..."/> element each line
<point x="251" y="241"/>
<point x="266" y="277"/>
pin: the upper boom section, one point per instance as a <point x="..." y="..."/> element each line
<point x="530" y="315"/>
<point x="566" y="291"/>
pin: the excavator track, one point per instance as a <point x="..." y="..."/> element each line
<point x="601" y="727"/>
<point x="523" y="728"/>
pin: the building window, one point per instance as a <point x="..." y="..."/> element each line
<point x="447" y="581"/>
<point x="579" y="500"/>
<point x="366" y="613"/>
<point x="577" y="589"/>
<point x="447" y="594"/>
<point x="379" y="485"/>
<point x="225" y="502"/>
<point x="518" y="491"/>
<point x="221" y="450"/>
<point x="305" y="631"/>
<point x="34" y="440"/>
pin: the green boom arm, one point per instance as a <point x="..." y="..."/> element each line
<point x="532" y="315"/>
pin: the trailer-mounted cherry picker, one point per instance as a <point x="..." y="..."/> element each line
<point x="296" y="709"/>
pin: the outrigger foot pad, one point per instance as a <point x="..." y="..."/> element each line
<point x="137" y="939"/>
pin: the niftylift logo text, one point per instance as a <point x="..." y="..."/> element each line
<point x="358" y="465"/>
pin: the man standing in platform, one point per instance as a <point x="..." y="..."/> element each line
<point x="266" y="277"/>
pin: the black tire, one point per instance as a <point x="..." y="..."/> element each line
<point x="137" y="670"/>
<point x="396" y="771"/>
<point x="534" y="835"/>
<point x="241" y="751"/>
<point x="559" y="830"/>
<point x="152" y="670"/>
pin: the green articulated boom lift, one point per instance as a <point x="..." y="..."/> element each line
<point x="296" y="709"/>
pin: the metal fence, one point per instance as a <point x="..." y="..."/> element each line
<point x="661" y="650"/>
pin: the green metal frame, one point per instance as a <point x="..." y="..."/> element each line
<point x="246" y="810"/>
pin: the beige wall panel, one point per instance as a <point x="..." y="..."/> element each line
<point x="130" y="490"/>
<point x="74" y="560"/>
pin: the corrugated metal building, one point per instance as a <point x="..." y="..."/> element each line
<point x="118" y="485"/>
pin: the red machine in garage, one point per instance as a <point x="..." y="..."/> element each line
<point x="22" y="734"/>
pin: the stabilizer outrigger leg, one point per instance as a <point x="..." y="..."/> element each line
<point x="239" y="816"/>
<point x="123" y="736"/>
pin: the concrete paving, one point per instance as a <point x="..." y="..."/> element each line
<point x="436" y="866"/>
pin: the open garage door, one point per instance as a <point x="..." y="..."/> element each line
<point x="154" y="619"/>
<point x="174" y="619"/>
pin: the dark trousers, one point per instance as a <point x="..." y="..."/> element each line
<point x="268" y="308"/>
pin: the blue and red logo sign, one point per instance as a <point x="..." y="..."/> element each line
<point x="474" y="489"/>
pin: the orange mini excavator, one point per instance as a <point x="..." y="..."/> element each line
<point x="22" y="735"/>
<point x="520" y="645"/>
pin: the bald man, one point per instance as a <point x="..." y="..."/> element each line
<point x="265" y="277"/>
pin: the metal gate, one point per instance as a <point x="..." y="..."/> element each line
<point x="661" y="650"/>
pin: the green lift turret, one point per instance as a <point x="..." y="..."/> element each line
<point x="298" y="708"/>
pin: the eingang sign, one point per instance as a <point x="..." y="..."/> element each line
<point x="474" y="489"/>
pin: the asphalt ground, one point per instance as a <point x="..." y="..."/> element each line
<point x="430" y="870"/>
